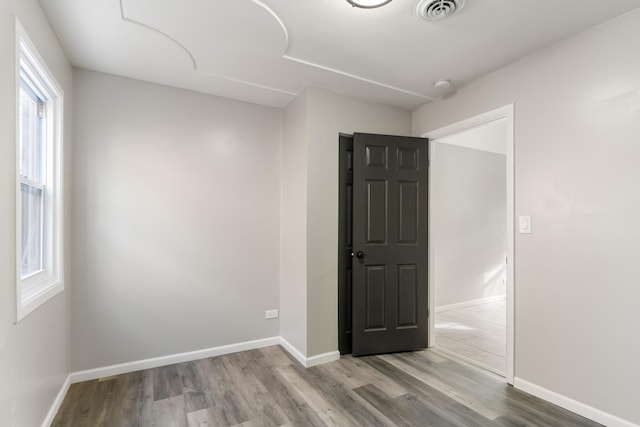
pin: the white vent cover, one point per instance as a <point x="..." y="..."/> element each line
<point x="435" y="10"/>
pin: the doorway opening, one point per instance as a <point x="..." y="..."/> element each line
<point x="471" y="256"/>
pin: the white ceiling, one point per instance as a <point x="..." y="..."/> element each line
<point x="267" y="51"/>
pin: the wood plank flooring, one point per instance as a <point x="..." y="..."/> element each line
<point x="477" y="334"/>
<point x="266" y="387"/>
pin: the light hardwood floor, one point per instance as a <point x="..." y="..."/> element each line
<point x="477" y="334"/>
<point x="266" y="387"/>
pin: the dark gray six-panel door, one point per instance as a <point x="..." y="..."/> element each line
<point x="389" y="243"/>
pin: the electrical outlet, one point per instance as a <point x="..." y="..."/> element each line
<point x="271" y="314"/>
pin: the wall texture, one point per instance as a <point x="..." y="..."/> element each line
<point x="293" y="231"/>
<point x="577" y="127"/>
<point x="328" y="115"/>
<point x="176" y="220"/>
<point x="469" y="224"/>
<point x="309" y="269"/>
<point x="34" y="353"/>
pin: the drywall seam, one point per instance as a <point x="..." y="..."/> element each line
<point x="162" y="33"/>
<point x="284" y="56"/>
<point x="356" y="77"/>
<point x="193" y="59"/>
<point x="289" y="57"/>
<point x="277" y="18"/>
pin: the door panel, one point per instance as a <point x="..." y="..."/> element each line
<point x="408" y="226"/>
<point x="377" y="157"/>
<point x="407" y="296"/>
<point x="375" y="287"/>
<point x="407" y="158"/>
<point x="390" y="242"/>
<point x="376" y="200"/>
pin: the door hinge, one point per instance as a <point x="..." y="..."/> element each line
<point x="428" y="313"/>
<point x="41" y="110"/>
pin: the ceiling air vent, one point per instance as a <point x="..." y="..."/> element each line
<point x="436" y="10"/>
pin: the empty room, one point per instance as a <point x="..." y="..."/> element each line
<point x="319" y="212"/>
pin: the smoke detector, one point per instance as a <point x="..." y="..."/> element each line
<point x="442" y="84"/>
<point x="436" y="10"/>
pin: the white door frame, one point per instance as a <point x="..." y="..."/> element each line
<point x="505" y="112"/>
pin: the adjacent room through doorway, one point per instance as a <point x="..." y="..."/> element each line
<point x="469" y="239"/>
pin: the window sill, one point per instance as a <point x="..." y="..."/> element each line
<point x="34" y="298"/>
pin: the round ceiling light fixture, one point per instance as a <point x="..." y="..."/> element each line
<point x="436" y="10"/>
<point x="368" y="4"/>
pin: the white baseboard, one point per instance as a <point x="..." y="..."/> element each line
<point x="297" y="354"/>
<point x="572" y="405"/>
<point x="123" y="368"/>
<point x="471" y="303"/>
<point x="308" y="362"/>
<point x="55" y="406"/>
<point x="92" y="374"/>
<point x="322" y="358"/>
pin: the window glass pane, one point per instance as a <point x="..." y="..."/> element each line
<point x="32" y="203"/>
<point x="38" y="143"/>
<point x="30" y="135"/>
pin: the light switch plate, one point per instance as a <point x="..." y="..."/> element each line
<point x="524" y="224"/>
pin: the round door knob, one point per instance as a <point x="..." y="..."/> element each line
<point x="360" y="254"/>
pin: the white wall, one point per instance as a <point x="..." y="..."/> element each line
<point x="328" y="114"/>
<point x="469" y="223"/>
<point x="309" y="264"/>
<point x="293" y="242"/>
<point x="577" y="127"/>
<point x="34" y="354"/>
<point x="176" y="220"/>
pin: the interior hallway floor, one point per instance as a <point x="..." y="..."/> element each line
<point x="476" y="334"/>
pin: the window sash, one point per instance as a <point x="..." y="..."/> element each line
<point x="32" y="113"/>
<point x="38" y="162"/>
<point x="32" y="229"/>
<point x="32" y="131"/>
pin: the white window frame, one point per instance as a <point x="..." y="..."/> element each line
<point x="35" y="289"/>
